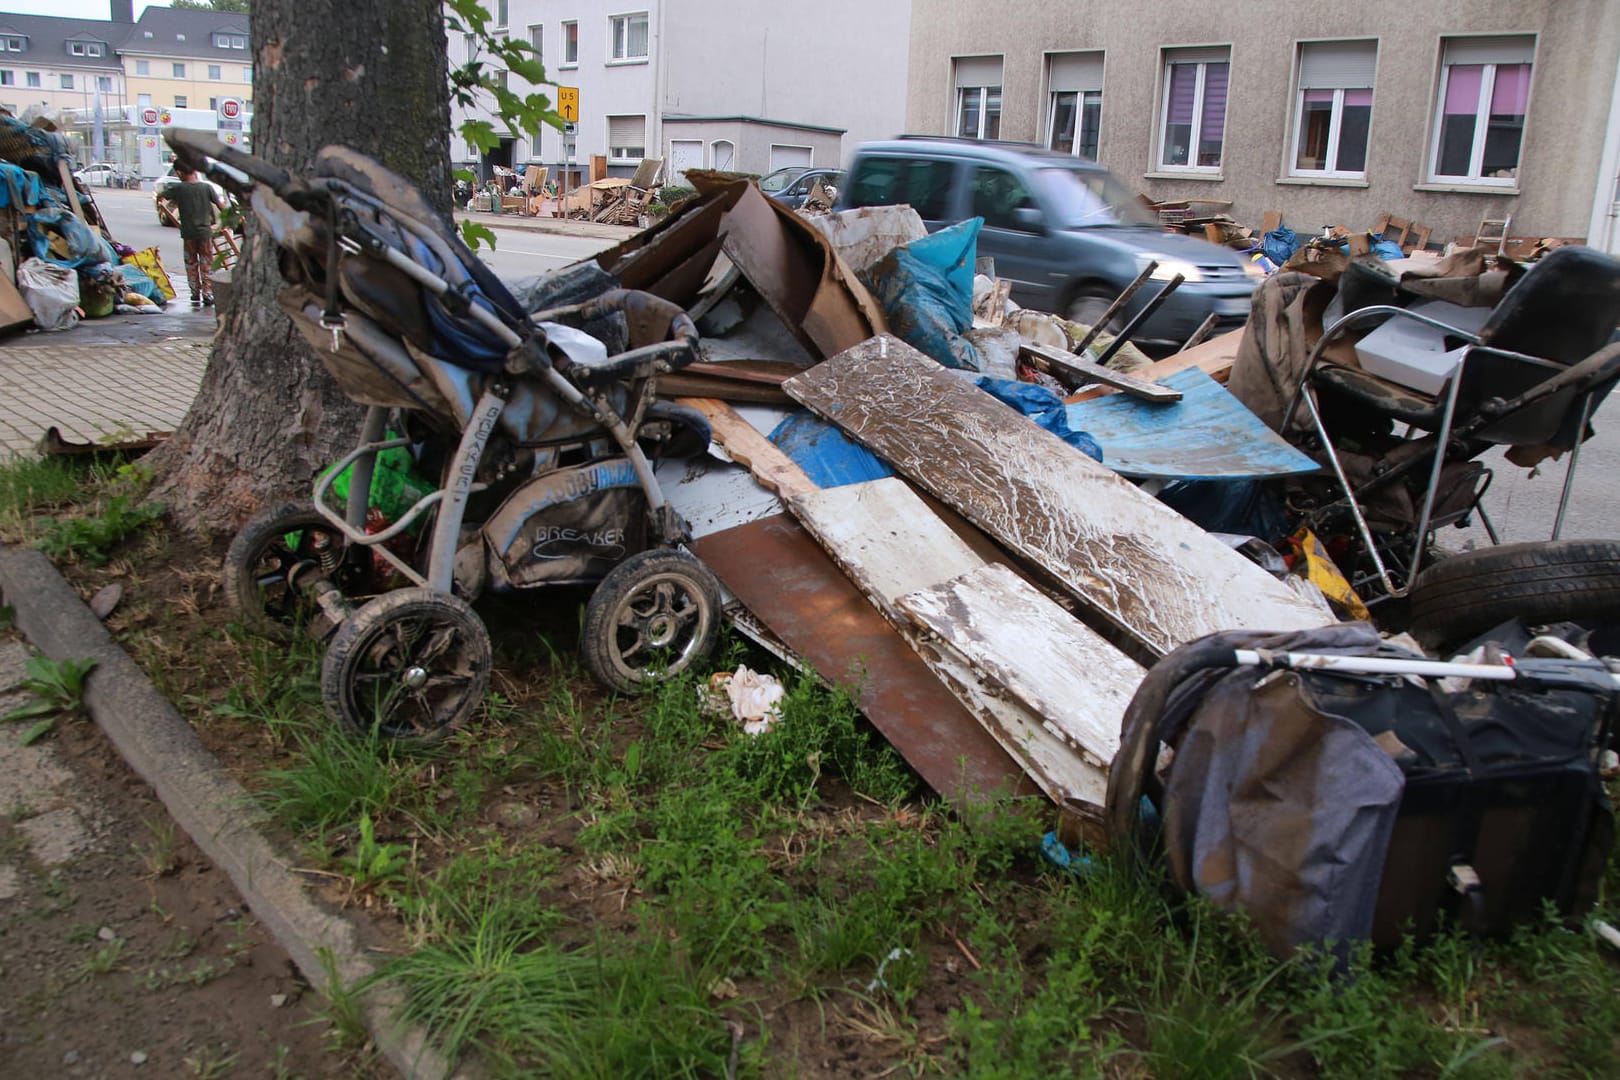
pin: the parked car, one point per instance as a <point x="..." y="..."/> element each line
<point x="165" y="211"/>
<point x="1066" y="232"/>
<point x="102" y="174"/>
<point x="792" y="186"/>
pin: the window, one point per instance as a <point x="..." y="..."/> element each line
<point x="143" y="100"/>
<point x="537" y="38"/>
<point x="922" y="183"/>
<point x="629" y="36"/>
<point x="214" y="72"/>
<point x="104" y="83"/>
<point x="179" y="71"/>
<point x="238" y="41"/>
<point x="570" y="32"/>
<point x="67" y="82"/>
<point x="978" y="96"/>
<point x="1479" y="117"/>
<point x="997" y="196"/>
<point x="8" y="78"/>
<point x="501" y="12"/>
<point x="503" y="79"/>
<point x="1333" y="108"/>
<point x="75" y="48"/>
<point x="11" y="44"/>
<point x="1194" y="115"/>
<point x="33" y="78"/>
<point x="213" y="103"/>
<point x="627" y="138"/>
<point x="725" y="152"/>
<point x="143" y="67"/>
<point x="247" y="74"/>
<point x="179" y="101"/>
<point x="1074" y="113"/>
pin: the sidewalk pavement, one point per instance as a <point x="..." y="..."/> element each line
<point x="111" y="379"/>
<point x="560" y="226"/>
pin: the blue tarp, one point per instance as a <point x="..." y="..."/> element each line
<point x="926" y="289"/>
<point x="21" y="188"/>
<point x="1279" y="243"/>
<point x="1207" y="435"/>
<point x="828" y="456"/>
<point x="1045" y="408"/>
<point x="84" y="248"/>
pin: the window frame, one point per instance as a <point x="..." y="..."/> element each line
<point x="8" y="77"/>
<point x="983" y="93"/>
<point x="1335" y="123"/>
<point x="33" y="80"/>
<point x="143" y="67"/>
<point x="216" y="72"/>
<point x="177" y="70"/>
<point x="65" y="81"/>
<point x="181" y="101"/>
<point x="1081" y="100"/>
<point x="622" y="20"/>
<point x="570" y="42"/>
<point x="1487" y="89"/>
<point x="502" y="14"/>
<point x="537" y="40"/>
<point x="1169" y="62"/>
<point x="13" y="43"/>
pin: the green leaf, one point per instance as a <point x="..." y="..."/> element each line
<point x="475" y="233"/>
<point x="29" y="711"/>
<point x="480" y="134"/>
<point x="35" y="733"/>
<point x="529" y="70"/>
<point x="464" y="174"/>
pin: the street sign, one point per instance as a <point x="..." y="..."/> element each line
<point x="570" y="128"/>
<point x="228" y="114"/>
<point x="568" y="102"/>
<point x="149" y="117"/>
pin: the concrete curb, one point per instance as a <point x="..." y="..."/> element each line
<point x="201" y="796"/>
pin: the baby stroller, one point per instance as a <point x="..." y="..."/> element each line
<point x="535" y="432"/>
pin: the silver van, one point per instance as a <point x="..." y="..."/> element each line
<point x="1067" y="233"/>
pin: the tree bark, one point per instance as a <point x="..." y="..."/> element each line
<point x="368" y="74"/>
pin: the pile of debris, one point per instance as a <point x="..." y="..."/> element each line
<point x="58" y="263"/>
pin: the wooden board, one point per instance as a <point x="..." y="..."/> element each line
<point x="1027" y="650"/>
<point x="1214" y="357"/>
<point x="784" y="579"/>
<point x="1134" y="561"/>
<point x="885" y="539"/>
<point x="748" y="447"/>
<point x="14" y="310"/>
<point x="1046" y="358"/>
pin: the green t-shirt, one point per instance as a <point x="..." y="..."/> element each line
<point x="194" y="200"/>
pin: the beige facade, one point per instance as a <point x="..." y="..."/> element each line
<point x="1557" y="58"/>
<point x="197" y="88"/>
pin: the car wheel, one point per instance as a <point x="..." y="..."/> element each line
<point x="1089" y="305"/>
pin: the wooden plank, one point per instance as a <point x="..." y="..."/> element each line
<point x="1027" y="650"/>
<point x="784" y="579"/>
<point x="1137" y="563"/>
<point x="1270" y="221"/>
<point x="1214" y="357"/>
<point x="747" y="447"/>
<point x="885" y="539"/>
<point x="1045" y="357"/>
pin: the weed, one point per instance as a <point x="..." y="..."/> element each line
<point x="372" y="865"/>
<point x="336" y="778"/>
<point x="158" y="856"/>
<point x="89" y="540"/>
<point x="103" y="961"/>
<point x="58" y="687"/>
<point x="8" y="617"/>
<point x="179" y="946"/>
<point x="210" y="1064"/>
<point x="344" y="1013"/>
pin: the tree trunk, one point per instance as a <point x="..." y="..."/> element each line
<point x="368" y="74"/>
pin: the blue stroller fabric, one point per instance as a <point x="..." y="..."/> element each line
<point x="926" y="289"/>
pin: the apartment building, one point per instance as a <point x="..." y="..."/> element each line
<point x="1447" y="114"/>
<point x="50" y="64"/>
<point x="177" y="58"/>
<point x="704" y="84"/>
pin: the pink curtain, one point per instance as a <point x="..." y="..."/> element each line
<point x="1462" y="88"/>
<point x="1183" y="88"/>
<point x="1358" y="97"/>
<point x="1214" y="103"/>
<point x="1511" y="93"/>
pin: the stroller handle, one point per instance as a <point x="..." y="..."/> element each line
<point x="648" y="316"/>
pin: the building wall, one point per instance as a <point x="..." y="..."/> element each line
<point x="751" y="143"/>
<point x="196" y="87"/>
<point x="1571" y="88"/>
<point x="49" y="95"/>
<point x="838" y="64"/>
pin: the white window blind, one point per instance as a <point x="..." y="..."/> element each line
<point x="1337" y="65"/>
<point x="1076" y="71"/>
<point x="627" y="130"/>
<point x="978" y="71"/>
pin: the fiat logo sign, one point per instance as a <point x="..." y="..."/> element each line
<point x="149" y="117"/>
<point x="230" y="108"/>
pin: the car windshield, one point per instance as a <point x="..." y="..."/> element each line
<point x="780" y="179"/>
<point x="1087" y="198"/>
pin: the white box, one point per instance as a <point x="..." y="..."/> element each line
<point x="1414" y="354"/>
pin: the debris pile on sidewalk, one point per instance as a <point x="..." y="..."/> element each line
<point x="59" y="263"/>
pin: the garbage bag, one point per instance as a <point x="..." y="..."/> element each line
<point x="926" y="289"/>
<point x="1044" y="407"/>
<point x="58" y="236"/>
<point x="151" y="264"/>
<point x="1279" y="244"/>
<point x="51" y="293"/>
<point x="138" y="281"/>
<point x="21" y="188"/>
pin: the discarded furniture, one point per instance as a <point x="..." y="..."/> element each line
<point x="1530" y="377"/>
<point x="1409" y="235"/>
<point x="1493" y="233"/>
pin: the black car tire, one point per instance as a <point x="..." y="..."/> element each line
<point x="1540" y="582"/>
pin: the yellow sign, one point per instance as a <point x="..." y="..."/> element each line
<point x="568" y="103"/>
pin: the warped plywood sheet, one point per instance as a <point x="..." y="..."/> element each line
<point x="1027" y="651"/>
<point x="787" y="583"/>
<point x="898" y="552"/>
<point x="1147" y="570"/>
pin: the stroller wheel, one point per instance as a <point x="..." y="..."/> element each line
<point x="412" y="664"/>
<point x="260" y="558"/>
<point x="655" y="615"/>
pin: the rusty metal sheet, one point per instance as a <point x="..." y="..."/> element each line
<point x="1147" y="570"/>
<point x="788" y="583"/>
<point x="1059" y="688"/>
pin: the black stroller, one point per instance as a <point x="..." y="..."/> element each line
<point x="535" y="431"/>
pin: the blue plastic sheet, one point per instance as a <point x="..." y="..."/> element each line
<point x="19" y="187"/>
<point x="926" y="289"/>
<point x="1279" y="244"/>
<point x="84" y="248"/>
<point x="1207" y="435"/>
<point x="1045" y="408"/>
<point x="136" y="280"/>
<point x="828" y="456"/>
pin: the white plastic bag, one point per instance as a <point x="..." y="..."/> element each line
<point x="51" y="292"/>
<point x="753" y="698"/>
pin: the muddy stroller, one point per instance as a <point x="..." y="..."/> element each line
<point x="535" y="432"/>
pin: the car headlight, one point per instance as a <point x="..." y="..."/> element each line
<point x="1169" y="267"/>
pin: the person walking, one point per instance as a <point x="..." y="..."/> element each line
<point x="194" y="201"/>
